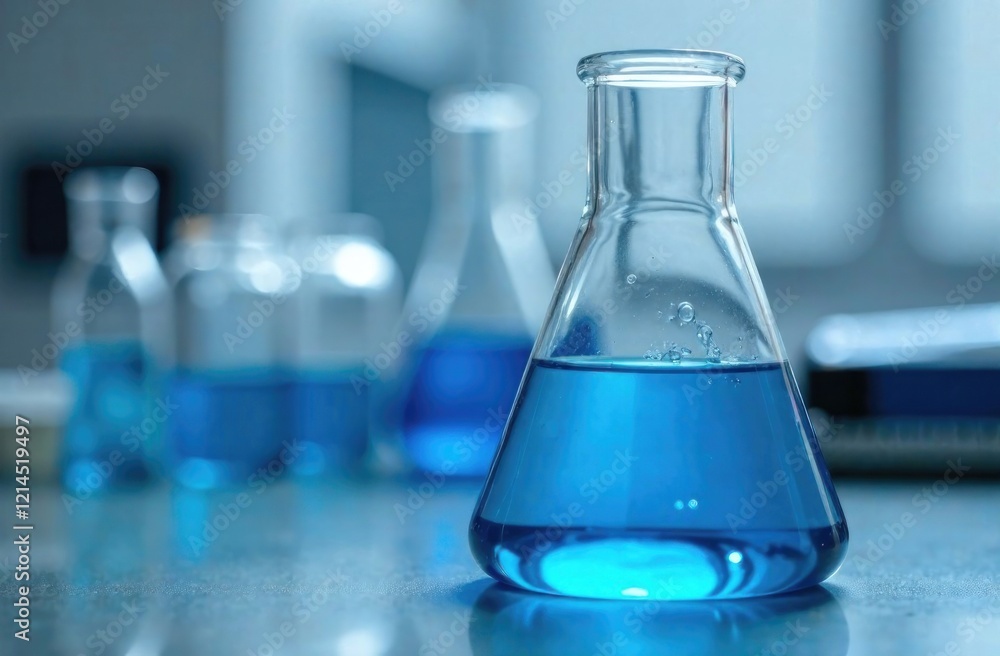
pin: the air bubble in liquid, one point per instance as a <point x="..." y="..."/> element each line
<point x="685" y="312"/>
<point x="705" y="335"/>
<point x="631" y="278"/>
<point x="676" y="353"/>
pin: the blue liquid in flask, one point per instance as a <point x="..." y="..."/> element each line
<point x="628" y="479"/>
<point x="113" y="388"/>
<point x="227" y="424"/>
<point x="331" y="419"/>
<point x="460" y="397"/>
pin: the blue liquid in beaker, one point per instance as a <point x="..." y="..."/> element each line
<point x="105" y="441"/>
<point x="460" y="397"/>
<point x="646" y="479"/>
<point x="228" y="424"/>
<point x="331" y="420"/>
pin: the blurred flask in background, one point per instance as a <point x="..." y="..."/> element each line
<point x="347" y="304"/>
<point x="112" y="315"/>
<point x="482" y="284"/>
<point x="230" y="280"/>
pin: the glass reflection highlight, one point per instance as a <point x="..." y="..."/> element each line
<point x="810" y="622"/>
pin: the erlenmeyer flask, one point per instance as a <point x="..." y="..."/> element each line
<point x="480" y="290"/>
<point x="658" y="447"/>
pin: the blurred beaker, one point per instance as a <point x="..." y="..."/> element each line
<point x="342" y="314"/>
<point x="229" y="389"/>
<point x="482" y="284"/>
<point x="111" y="317"/>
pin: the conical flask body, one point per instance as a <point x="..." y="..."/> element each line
<point x="658" y="446"/>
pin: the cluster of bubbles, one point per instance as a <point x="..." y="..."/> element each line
<point x="684" y="314"/>
<point x="674" y="353"/>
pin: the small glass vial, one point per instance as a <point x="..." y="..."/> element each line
<point x="230" y="283"/>
<point x="111" y="309"/>
<point x="348" y="301"/>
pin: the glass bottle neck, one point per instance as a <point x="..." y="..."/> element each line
<point x="659" y="144"/>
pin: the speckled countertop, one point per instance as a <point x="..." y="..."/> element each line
<point x="331" y="569"/>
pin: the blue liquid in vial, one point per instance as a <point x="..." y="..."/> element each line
<point x="113" y="388"/>
<point x="463" y="389"/>
<point x="331" y="420"/>
<point x="227" y="425"/>
<point x="691" y="481"/>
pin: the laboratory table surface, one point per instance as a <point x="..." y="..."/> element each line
<point x="379" y="568"/>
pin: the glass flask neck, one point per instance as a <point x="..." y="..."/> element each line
<point x="660" y="127"/>
<point x="482" y="237"/>
<point x="104" y="201"/>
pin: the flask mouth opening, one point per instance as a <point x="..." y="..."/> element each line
<point x="661" y="68"/>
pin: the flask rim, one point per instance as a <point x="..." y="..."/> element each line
<point x="661" y="68"/>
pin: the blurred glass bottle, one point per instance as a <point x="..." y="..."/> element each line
<point x="111" y="312"/>
<point x="480" y="290"/>
<point x="348" y="302"/>
<point x="230" y="279"/>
